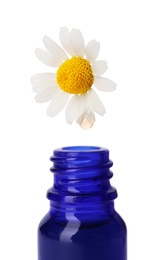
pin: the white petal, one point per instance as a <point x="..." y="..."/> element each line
<point x="99" y="67"/>
<point x="43" y="81"/>
<point x="39" y="78"/>
<point x="65" y="40"/>
<point x="80" y="108"/>
<point x="46" y="95"/>
<point x="85" y="116"/>
<point x="71" y="108"/>
<point x="47" y="58"/>
<point x="38" y="89"/>
<point x="104" y="84"/>
<point x="77" y="42"/>
<point x="92" y="50"/>
<point x="58" y="103"/>
<point x="97" y="105"/>
<point x="82" y="104"/>
<point x="54" y="48"/>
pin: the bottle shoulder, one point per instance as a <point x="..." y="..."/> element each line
<point x="119" y="221"/>
<point x="115" y="227"/>
<point x="50" y="228"/>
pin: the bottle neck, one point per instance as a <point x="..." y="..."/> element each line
<point x="81" y="190"/>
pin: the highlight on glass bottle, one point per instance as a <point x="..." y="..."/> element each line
<point x="82" y="223"/>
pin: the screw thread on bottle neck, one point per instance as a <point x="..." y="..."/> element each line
<point x="81" y="183"/>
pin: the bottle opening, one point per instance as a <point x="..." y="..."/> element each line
<point x="82" y="148"/>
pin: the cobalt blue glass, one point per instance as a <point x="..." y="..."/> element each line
<point x="82" y="223"/>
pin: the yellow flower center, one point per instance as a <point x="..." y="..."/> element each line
<point x="75" y="76"/>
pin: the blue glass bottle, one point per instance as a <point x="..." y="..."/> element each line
<point x="82" y="223"/>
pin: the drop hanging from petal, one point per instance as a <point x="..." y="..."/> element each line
<point x="86" y="121"/>
<point x="86" y="124"/>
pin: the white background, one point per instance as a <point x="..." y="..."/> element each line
<point x="134" y="40"/>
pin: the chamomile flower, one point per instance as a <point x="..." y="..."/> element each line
<point x="71" y="86"/>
